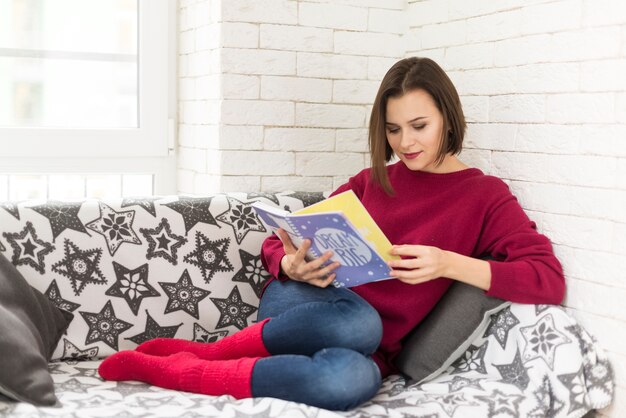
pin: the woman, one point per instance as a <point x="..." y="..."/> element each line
<point x="329" y="347"/>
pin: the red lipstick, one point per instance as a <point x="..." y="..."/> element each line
<point x="412" y="155"/>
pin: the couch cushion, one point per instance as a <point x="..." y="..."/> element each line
<point x="136" y="269"/>
<point x="460" y="316"/>
<point x="30" y="328"/>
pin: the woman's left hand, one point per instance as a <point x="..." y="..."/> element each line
<point x="420" y="264"/>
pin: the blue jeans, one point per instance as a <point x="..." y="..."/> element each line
<point x="321" y="340"/>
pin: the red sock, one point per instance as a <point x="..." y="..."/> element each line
<point x="159" y="371"/>
<point x="246" y="343"/>
<point x="182" y="371"/>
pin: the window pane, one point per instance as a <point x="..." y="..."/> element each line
<point x="63" y="187"/>
<point x="68" y="93"/>
<point x="104" y="186"/>
<point x="137" y="185"/>
<point x="4" y="188"/>
<point x="25" y="187"/>
<point x="69" y="63"/>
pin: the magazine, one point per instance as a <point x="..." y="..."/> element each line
<point x="342" y="225"/>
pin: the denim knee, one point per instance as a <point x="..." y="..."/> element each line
<point x="345" y="380"/>
<point x="361" y="329"/>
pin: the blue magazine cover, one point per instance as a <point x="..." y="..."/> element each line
<point x="360" y="263"/>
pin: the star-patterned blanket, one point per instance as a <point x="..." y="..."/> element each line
<point x="533" y="361"/>
<point x="134" y="269"/>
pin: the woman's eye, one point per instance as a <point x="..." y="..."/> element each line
<point x="419" y="127"/>
<point x="392" y="131"/>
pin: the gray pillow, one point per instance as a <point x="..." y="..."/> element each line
<point x="30" y="328"/>
<point x="460" y="316"/>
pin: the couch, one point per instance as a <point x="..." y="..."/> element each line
<point x="124" y="271"/>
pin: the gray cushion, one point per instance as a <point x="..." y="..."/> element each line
<point x="30" y="329"/>
<point x="462" y="314"/>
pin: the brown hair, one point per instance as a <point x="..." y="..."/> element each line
<point x="404" y="76"/>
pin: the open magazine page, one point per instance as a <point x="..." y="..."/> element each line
<point x="275" y="218"/>
<point x="350" y="205"/>
<point x="332" y="231"/>
<point x="360" y="263"/>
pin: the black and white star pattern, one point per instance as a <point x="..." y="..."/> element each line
<point x="201" y="335"/>
<point x="132" y="285"/>
<point x="105" y="326"/>
<point x="584" y="343"/>
<point x="145" y="202"/>
<point x="599" y="376"/>
<point x="210" y="256"/>
<point x="80" y="266"/>
<point x="242" y="218"/>
<point x="514" y="372"/>
<point x="57" y="368"/>
<point x="12" y="208"/>
<point x="269" y="196"/>
<point x="539" y="309"/>
<point x="72" y="352"/>
<point x="75" y="386"/>
<point x="548" y="405"/>
<point x="459" y="382"/>
<point x="183" y="295"/>
<point x="154" y="330"/>
<point x="157" y="402"/>
<point x="500" y="325"/>
<point x="115" y="227"/>
<point x="575" y="383"/>
<point x="162" y="242"/>
<point x="54" y="295"/>
<point x="550" y="382"/>
<point x="130" y="387"/>
<point x="233" y="310"/>
<point x="86" y="372"/>
<point x="28" y="249"/>
<point x="502" y="403"/>
<point x="542" y="340"/>
<point x="193" y="211"/>
<point x="307" y="198"/>
<point x="62" y="216"/>
<point x="449" y="402"/>
<point x="397" y="386"/>
<point x="97" y="402"/>
<point x="252" y="272"/>
<point x="472" y="360"/>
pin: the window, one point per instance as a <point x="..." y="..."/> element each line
<point x="84" y="96"/>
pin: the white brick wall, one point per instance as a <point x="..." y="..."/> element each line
<point x="276" y="95"/>
<point x="543" y="85"/>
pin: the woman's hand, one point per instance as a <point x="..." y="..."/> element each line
<point x="421" y="263"/>
<point x="426" y="263"/>
<point x="297" y="268"/>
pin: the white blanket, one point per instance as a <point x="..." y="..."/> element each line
<point x="533" y="361"/>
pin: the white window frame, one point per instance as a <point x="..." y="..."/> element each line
<point x="149" y="148"/>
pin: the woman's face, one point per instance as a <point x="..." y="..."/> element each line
<point x="414" y="126"/>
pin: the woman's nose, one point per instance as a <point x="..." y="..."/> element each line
<point x="407" y="139"/>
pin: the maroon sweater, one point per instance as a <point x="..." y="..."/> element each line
<point x="467" y="212"/>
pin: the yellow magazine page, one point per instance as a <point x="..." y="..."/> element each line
<point x="351" y="206"/>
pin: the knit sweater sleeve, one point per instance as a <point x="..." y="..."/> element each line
<point x="524" y="268"/>
<point x="272" y="251"/>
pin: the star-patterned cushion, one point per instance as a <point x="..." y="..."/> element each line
<point x="135" y="269"/>
<point x="463" y="313"/>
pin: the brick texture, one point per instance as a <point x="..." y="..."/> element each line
<point x="276" y="95"/>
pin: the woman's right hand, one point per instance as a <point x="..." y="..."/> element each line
<point x="294" y="265"/>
